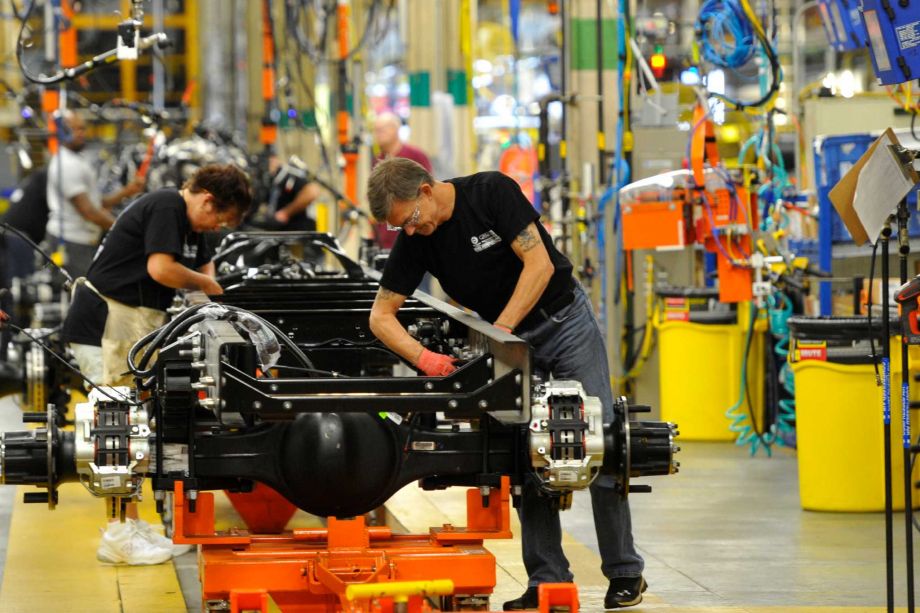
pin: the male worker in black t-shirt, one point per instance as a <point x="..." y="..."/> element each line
<point x="289" y="196"/>
<point x="483" y="241"/>
<point x="155" y="247"/>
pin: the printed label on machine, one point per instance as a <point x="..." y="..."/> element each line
<point x="908" y="35"/>
<point x="108" y="483"/>
<point x="676" y="309"/>
<point x="811" y="350"/>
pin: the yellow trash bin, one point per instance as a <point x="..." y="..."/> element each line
<point x="839" y="430"/>
<point x="701" y="345"/>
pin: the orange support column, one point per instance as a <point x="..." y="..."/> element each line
<point x="67" y="50"/>
<point x="349" y="150"/>
<point x="51" y="99"/>
<point x="67" y="39"/>
<point x="269" y="131"/>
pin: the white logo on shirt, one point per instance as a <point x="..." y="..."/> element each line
<point x="485" y="240"/>
<point x="189" y="252"/>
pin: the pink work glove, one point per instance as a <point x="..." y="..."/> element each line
<point x="436" y="364"/>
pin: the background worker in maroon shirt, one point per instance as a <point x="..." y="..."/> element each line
<point x="387" y="144"/>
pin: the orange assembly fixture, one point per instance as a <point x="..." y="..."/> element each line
<point x="310" y="571"/>
<point x="676" y="209"/>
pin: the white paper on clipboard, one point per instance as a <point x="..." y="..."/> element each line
<point x="882" y="184"/>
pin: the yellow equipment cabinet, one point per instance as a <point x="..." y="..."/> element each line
<point x="839" y="416"/>
<point x="701" y="345"/>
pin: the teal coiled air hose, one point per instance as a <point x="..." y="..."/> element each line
<point x="779" y="309"/>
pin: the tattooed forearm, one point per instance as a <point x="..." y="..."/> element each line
<point x="528" y="239"/>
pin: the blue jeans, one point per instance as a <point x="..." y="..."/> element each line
<point x="569" y="345"/>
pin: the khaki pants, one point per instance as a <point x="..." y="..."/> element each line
<point x="124" y="326"/>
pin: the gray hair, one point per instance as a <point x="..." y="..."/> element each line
<point x="394" y="179"/>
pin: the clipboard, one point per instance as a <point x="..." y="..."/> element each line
<point x="843" y="195"/>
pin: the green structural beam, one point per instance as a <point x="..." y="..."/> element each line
<point x="420" y="88"/>
<point x="308" y="119"/>
<point x="457" y="86"/>
<point x="584" y="44"/>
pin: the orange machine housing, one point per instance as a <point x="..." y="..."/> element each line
<point x="668" y="212"/>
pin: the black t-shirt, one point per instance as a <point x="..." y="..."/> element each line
<point x="285" y="187"/>
<point x="154" y="223"/>
<point x="28" y="210"/>
<point x="470" y="253"/>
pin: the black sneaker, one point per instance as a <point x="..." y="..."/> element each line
<point x="528" y="600"/>
<point x="624" y="592"/>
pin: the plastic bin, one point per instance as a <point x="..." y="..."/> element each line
<point x="700" y="348"/>
<point x="834" y="156"/>
<point x="805" y="248"/>
<point x="839" y="415"/>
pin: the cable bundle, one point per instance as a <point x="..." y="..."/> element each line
<point x="725" y="33"/>
<point x="727" y="30"/>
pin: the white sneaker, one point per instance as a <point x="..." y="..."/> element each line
<point x="150" y="533"/>
<point x="123" y="543"/>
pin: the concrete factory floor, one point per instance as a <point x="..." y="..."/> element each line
<point x="726" y="534"/>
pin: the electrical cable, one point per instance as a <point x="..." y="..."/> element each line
<point x="716" y="233"/>
<point x="48" y="258"/>
<point x="70" y="366"/>
<point x="312" y="50"/>
<point x="24" y="21"/>
<point x="725" y="22"/>
<point x="735" y="26"/>
<point x="65" y="74"/>
<point x="878" y="377"/>
<point x="16" y="12"/>
<point x="647" y="340"/>
<point x="158" y="338"/>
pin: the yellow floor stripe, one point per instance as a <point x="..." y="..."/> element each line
<point x="51" y="562"/>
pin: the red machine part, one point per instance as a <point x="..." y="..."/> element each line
<point x="264" y="510"/>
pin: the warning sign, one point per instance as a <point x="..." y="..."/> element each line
<point x="811" y="350"/>
<point x="676" y="309"/>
